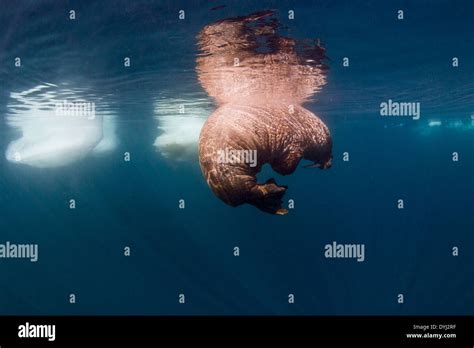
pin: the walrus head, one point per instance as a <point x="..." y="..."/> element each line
<point x="320" y="156"/>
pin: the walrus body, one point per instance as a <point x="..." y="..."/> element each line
<point x="279" y="137"/>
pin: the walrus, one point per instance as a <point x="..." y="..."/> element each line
<point x="279" y="138"/>
<point x="260" y="81"/>
<point x="231" y="67"/>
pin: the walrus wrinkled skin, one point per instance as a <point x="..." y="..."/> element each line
<point x="280" y="139"/>
<point x="259" y="93"/>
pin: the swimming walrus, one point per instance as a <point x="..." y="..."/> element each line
<point x="278" y="138"/>
<point x="260" y="80"/>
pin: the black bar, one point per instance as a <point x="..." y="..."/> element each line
<point x="136" y="330"/>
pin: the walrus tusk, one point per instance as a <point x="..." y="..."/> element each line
<point x="324" y="165"/>
<point x="314" y="165"/>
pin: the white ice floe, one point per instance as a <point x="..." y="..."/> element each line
<point x="49" y="138"/>
<point x="434" y="123"/>
<point x="179" y="124"/>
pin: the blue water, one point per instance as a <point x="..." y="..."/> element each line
<point x="81" y="251"/>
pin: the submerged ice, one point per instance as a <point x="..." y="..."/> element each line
<point x="179" y="124"/>
<point x="49" y="136"/>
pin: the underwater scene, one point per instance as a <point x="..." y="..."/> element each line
<point x="230" y="157"/>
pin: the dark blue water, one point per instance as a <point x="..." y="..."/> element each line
<point x="190" y="251"/>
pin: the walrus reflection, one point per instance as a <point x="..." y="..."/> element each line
<point x="260" y="97"/>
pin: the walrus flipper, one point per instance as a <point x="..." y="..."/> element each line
<point x="268" y="197"/>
